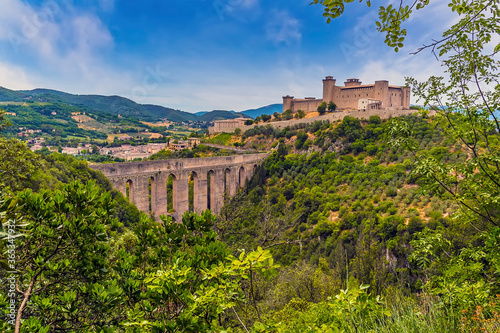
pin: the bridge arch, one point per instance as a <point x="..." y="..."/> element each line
<point x="241" y="177"/>
<point x="153" y="196"/>
<point x="129" y="185"/>
<point x="171" y="187"/>
<point x="211" y="189"/>
<point x="193" y="191"/>
<point x="227" y="182"/>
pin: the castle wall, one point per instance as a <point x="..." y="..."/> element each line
<point x="308" y="105"/>
<point x="396" y="96"/>
<point x="348" y="97"/>
<point x="336" y="116"/>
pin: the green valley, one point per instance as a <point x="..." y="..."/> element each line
<point x="347" y="214"/>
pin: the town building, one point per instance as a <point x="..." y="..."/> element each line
<point x="354" y="96"/>
<point x="129" y="152"/>
<point x="226" y="126"/>
<point x="193" y="142"/>
<point x="180" y="145"/>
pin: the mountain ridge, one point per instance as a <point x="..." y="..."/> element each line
<point x="116" y="105"/>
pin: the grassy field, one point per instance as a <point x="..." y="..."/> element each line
<point x="222" y="139"/>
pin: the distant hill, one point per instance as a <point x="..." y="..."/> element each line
<point x="221" y="115"/>
<point x="7" y="95"/>
<point x="110" y="104"/>
<point x="118" y="105"/>
<point x="269" y="110"/>
<point x="170" y="114"/>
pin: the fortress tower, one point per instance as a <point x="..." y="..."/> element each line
<point x="328" y="88"/>
<point x="287" y="102"/>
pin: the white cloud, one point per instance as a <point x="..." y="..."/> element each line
<point x="107" y="5"/>
<point x="59" y="46"/>
<point x="249" y="4"/>
<point x="14" y="77"/>
<point x="283" y="28"/>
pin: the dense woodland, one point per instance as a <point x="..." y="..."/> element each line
<point x="361" y="225"/>
<point x="334" y="232"/>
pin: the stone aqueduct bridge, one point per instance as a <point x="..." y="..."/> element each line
<point x="147" y="181"/>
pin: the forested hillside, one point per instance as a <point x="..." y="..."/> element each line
<point x="344" y="196"/>
<point x="115" y="105"/>
<point x="111" y="105"/>
<point x="57" y="120"/>
<point x="333" y="233"/>
<point x="22" y="169"/>
<point x="361" y="225"/>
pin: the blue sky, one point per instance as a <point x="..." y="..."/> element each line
<point x="202" y="54"/>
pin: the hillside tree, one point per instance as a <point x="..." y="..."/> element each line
<point x="322" y="108"/>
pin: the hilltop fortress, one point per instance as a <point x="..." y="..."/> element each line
<point x="353" y="99"/>
<point x="354" y="96"/>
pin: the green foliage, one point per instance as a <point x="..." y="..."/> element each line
<point x="55" y="121"/>
<point x="86" y="278"/>
<point x="466" y="107"/>
<point x="287" y="115"/>
<point x="328" y="205"/>
<point x="114" y="105"/>
<point x="20" y="168"/>
<point x="343" y="208"/>
<point x="3" y="122"/>
<point x="322" y="108"/>
<point x="350" y="310"/>
<point x="390" y="21"/>
<point x="468" y="278"/>
<point x="332" y="106"/>
<point x="300" y="114"/>
<point x="60" y="262"/>
<point x="221" y="139"/>
<point x="17" y="165"/>
<point x="265" y="118"/>
<point x="301" y="139"/>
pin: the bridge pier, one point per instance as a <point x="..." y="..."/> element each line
<point x="120" y="185"/>
<point x="161" y="203"/>
<point x="232" y="181"/>
<point x="217" y="200"/>
<point x="141" y="193"/>
<point x="181" y="195"/>
<point x="200" y="193"/>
